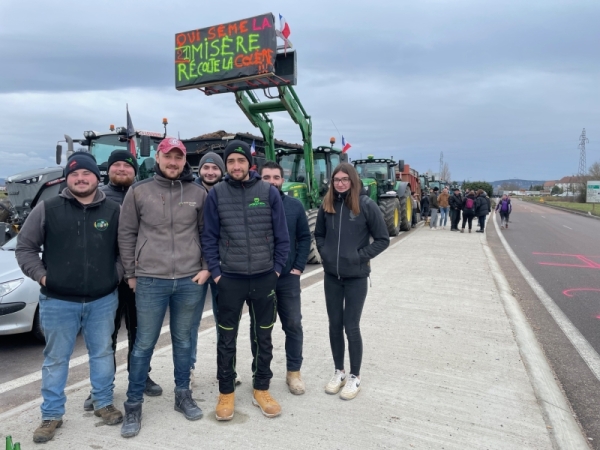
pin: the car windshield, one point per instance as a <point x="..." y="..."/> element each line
<point x="102" y="147"/>
<point x="10" y="245"/>
<point x="370" y="170"/>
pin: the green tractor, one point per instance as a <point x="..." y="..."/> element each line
<point x="393" y="196"/>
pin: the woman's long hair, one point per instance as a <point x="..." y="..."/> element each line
<point x="353" y="194"/>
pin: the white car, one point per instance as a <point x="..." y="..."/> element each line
<point x="19" y="296"/>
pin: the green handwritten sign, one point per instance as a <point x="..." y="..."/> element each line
<point x="223" y="53"/>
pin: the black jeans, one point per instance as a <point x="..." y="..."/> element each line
<point x="345" y="316"/>
<point x="289" y="310"/>
<point x="455" y="218"/>
<point x="467" y="218"/>
<point x="259" y="293"/>
<point x="126" y="309"/>
<point x="482" y="222"/>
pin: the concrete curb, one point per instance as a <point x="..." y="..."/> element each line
<point x="565" y="430"/>
<point x="560" y="208"/>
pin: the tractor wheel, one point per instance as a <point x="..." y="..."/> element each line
<point x="406" y="213"/>
<point x="313" y="256"/>
<point x="390" y="207"/>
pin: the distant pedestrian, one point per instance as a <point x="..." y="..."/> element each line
<point x="504" y="207"/>
<point x="483" y="207"/>
<point x="78" y="272"/>
<point x="455" y="202"/>
<point x="347" y="221"/>
<point x="444" y="205"/>
<point x="415" y="209"/>
<point x="433" y="207"/>
<point x="425" y="206"/>
<point x="468" y="211"/>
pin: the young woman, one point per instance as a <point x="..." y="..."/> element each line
<point x="483" y="207"/>
<point x="505" y="208"/>
<point x="346" y="222"/>
<point x="468" y="208"/>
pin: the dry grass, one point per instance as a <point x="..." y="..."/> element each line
<point x="584" y="207"/>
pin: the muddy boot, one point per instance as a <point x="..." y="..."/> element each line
<point x="185" y="404"/>
<point x="46" y="430"/>
<point x="295" y="383"/>
<point x="132" y="423"/>
<point x="225" y="406"/>
<point x="152" y="389"/>
<point x="110" y="415"/>
<point x="267" y="404"/>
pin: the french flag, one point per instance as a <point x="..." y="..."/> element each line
<point x="253" y="148"/>
<point x="284" y="27"/>
<point x="345" y="145"/>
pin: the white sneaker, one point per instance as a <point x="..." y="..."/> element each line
<point x="351" y="388"/>
<point x="337" y="381"/>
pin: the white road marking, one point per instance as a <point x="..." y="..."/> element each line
<point x="583" y="347"/>
<point x="553" y="402"/>
<point x="543" y="217"/>
<point x="567" y="227"/>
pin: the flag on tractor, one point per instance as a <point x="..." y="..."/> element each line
<point x="131" y="134"/>
<point x="345" y="145"/>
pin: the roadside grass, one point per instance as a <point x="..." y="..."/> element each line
<point x="583" y="207"/>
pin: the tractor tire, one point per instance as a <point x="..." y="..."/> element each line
<point x="390" y="208"/>
<point x="313" y="256"/>
<point x="405" y="215"/>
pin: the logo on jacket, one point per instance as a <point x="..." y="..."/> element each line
<point x="257" y="202"/>
<point x="101" y="225"/>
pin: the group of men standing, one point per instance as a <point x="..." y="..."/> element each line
<point x="171" y="239"/>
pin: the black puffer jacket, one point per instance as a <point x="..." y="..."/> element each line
<point x="483" y="205"/>
<point x="343" y="239"/>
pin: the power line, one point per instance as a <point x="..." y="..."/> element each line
<point x="582" y="163"/>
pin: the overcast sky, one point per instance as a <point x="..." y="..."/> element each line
<point x="502" y="88"/>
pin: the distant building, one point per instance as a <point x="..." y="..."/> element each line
<point x="548" y="185"/>
<point x="570" y="184"/>
<point x="2" y="188"/>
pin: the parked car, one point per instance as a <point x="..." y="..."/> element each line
<point x="19" y="296"/>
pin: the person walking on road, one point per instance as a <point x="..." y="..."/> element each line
<point x="347" y="221"/>
<point x="443" y="204"/>
<point x="79" y="271"/>
<point x="288" y="285"/>
<point x="159" y="239"/>
<point x="483" y="207"/>
<point x="468" y="210"/>
<point x="505" y="208"/>
<point x="455" y="202"/>
<point x="246" y="245"/>
<point x="415" y="208"/>
<point x="433" y="208"/>
<point x="425" y="207"/>
<point x="211" y="171"/>
<point x="122" y="169"/>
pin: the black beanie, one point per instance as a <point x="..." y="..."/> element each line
<point x="238" y="147"/>
<point x="122" y="155"/>
<point x="82" y="160"/>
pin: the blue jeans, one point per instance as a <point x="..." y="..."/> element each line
<point x="61" y="322"/>
<point x="152" y="297"/>
<point x="443" y="216"/>
<point x="288" y="307"/>
<point x="198" y="315"/>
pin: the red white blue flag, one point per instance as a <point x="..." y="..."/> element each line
<point x="284" y="27"/>
<point x="345" y="145"/>
<point x="253" y="148"/>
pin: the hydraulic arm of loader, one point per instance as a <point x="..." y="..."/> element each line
<point x="287" y="100"/>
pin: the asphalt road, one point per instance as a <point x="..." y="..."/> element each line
<point x="21" y="355"/>
<point x="562" y="253"/>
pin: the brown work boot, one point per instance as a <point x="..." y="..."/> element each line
<point x="225" y="406"/>
<point x="267" y="404"/>
<point x="295" y="383"/>
<point x="110" y="415"/>
<point x="46" y="430"/>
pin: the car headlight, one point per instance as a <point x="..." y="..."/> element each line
<point x="9" y="286"/>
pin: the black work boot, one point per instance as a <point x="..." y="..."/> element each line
<point x="186" y="405"/>
<point x="152" y="389"/>
<point x="88" y="404"/>
<point x="132" y="422"/>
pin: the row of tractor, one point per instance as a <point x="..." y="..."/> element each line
<point x="307" y="168"/>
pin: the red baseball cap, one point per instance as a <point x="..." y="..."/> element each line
<point x="168" y="144"/>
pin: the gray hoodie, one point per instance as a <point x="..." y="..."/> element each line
<point x="160" y="226"/>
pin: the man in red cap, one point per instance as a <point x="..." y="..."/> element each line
<point x="159" y="241"/>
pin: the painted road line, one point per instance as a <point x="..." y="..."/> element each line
<point x="552" y="401"/>
<point x="567" y="227"/>
<point x="583" y="347"/>
<point x="543" y="217"/>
